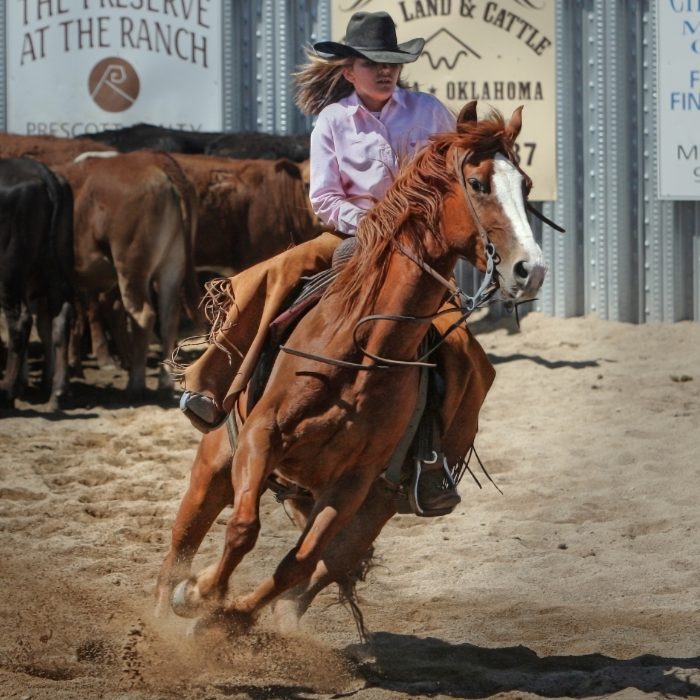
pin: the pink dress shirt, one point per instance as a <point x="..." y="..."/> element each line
<point x="356" y="155"/>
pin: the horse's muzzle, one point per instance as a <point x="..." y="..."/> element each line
<point x="524" y="280"/>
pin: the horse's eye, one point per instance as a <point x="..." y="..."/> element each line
<point x="475" y="184"/>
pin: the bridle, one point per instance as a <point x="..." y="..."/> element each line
<point x="488" y="286"/>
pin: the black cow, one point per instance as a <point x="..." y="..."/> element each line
<point x="149" y="136"/>
<point x="253" y="145"/>
<point x="36" y="266"/>
<point x="247" y="145"/>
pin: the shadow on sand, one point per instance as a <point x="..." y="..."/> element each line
<point x="95" y="388"/>
<point x="581" y="364"/>
<point x="428" y="666"/>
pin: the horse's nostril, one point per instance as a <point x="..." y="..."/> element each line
<point x="521" y="270"/>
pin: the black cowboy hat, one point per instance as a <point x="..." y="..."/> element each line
<point x="372" y="35"/>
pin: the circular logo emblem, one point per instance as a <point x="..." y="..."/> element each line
<point x="114" y="84"/>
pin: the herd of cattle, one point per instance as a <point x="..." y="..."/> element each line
<point x="107" y="235"/>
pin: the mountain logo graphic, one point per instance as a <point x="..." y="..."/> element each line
<point x="114" y="84"/>
<point x="446" y="49"/>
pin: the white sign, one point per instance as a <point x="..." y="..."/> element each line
<point x="678" y="130"/>
<point x="499" y="53"/>
<point x="80" y="66"/>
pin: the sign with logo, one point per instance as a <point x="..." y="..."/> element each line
<point x="80" y="66"/>
<point x="499" y="53"/>
<point x="678" y="133"/>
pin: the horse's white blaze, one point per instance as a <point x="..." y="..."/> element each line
<point x="508" y="188"/>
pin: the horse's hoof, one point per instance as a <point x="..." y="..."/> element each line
<point x="181" y="600"/>
<point x="286" y="614"/>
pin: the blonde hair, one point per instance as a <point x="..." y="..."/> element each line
<point x="320" y="82"/>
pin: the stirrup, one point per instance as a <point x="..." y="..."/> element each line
<point x="199" y="422"/>
<point x="444" y="499"/>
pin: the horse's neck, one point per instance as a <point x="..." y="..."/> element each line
<point x="408" y="291"/>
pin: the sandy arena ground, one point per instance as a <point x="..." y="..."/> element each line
<point x="582" y="580"/>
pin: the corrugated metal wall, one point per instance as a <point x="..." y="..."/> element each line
<point x="626" y="255"/>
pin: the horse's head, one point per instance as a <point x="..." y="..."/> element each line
<point x="487" y="202"/>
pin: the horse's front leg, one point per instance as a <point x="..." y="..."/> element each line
<point x="207" y="590"/>
<point x="210" y="490"/>
<point x="333" y="510"/>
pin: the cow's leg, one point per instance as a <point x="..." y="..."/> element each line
<point x="98" y="338"/>
<point x="75" y="339"/>
<point x="347" y="552"/>
<point x="210" y="490"/>
<point x="251" y="465"/>
<point x="140" y="329"/>
<point x="53" y="322"/>
<point x="140" y="321"/>
<point x="43" y="329"/>
<point x="19" y="325"/>
<point x="60" y="329"/>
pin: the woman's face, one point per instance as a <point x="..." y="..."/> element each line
<point x="373" y="82"/>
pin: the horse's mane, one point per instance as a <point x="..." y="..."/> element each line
<point x="413" y="205"/>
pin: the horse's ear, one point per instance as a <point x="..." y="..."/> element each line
<point x="515" y="124"/>
<point x="468" y="113"/>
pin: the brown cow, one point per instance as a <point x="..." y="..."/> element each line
<point x="50" y="150"/>
<point x="134" y="217"/>
<point x="249" y="210"/>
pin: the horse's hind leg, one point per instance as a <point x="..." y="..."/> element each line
<point x="344" y="560"/>
<point x="331" y="513"/>
<point x="208" y="493"/>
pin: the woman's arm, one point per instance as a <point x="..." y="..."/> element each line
<point x="328" y="197"/>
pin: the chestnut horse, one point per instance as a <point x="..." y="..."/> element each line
<point x="331" y="426"/>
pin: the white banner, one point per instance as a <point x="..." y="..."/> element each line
<point x="499" y="53"/>
<point x="77" y="66"/>
<point x="678" y="130"/>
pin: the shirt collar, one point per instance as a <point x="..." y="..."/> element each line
<point x="352" y="101"/>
